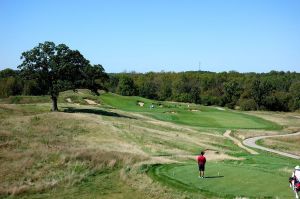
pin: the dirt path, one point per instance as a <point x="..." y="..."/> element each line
<point x="237" y="142"/>
<point x="251" y="142"/>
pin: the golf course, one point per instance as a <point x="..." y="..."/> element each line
<point x="150" y="99"/>
<point x="113" y="146"/>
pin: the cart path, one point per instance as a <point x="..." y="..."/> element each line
<point x="251" y="142"/>
<point x="237" y="142"/>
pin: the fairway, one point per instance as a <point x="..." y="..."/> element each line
<point x="226" y="180"/>
<point x="192" y="114"/>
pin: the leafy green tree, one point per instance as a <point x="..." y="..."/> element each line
<point x="8" y="73"/>
<point x="10" y="83"/>
<point x="126" y="86"/>
<point x="59" y="67"/>
<point x="247" y="104"/>
<point x="95" y="78"/>
<point x="10" y="86"/>
<point x="277" y="101"/>
<point x="260" y="90"/>
<point x="294" y="103"/>
<point x="149" y="86"/>
<point x="232" y="92"/>
<point x="164" y="92"/>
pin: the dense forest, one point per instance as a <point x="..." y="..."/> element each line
<point x="275" y="91"/>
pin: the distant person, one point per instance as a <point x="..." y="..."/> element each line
<point x="295" y="181"/>
<point x="201" y="164"/>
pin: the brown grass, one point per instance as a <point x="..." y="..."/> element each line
<point x="244" y="134"/>
<point x="39" y="152"/>
<point x="286" y="144"/>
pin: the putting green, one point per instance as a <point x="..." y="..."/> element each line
<point x="225" y="180"/>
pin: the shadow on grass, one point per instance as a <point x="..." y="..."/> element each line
<point x="214" y="176"/>
<point x="94" y="111"/>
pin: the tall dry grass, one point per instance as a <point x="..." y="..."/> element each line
<point x="287" y="144"/>
<point x="40" y="151"/>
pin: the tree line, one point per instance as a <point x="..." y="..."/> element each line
<point x="274" y="91"/>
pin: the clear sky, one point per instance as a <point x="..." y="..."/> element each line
<point x="156" y="35"/>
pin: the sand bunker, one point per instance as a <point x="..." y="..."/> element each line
<point x="69" y="100"/>
<point x="172" y="112"/>
<point x="141" y="104"/>
<point x="90" y="102"/>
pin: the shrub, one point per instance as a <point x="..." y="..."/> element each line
<point x="247" y="104"/>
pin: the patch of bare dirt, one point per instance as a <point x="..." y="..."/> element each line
<point x="237" y="142"/>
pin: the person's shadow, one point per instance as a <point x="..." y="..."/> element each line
<point x="214" y="176"/>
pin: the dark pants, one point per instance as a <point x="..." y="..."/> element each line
<point x="201" y="167"/>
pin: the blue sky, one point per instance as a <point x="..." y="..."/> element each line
<point x="155" y="35"/>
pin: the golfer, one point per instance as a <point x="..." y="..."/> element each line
<point x="201" y="164"/>
<point x="295" y="181"/>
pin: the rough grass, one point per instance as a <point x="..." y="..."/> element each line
<point x="287" y="144"/>
<point x="39" y="152"/>
<point x="291" y="121"/>
<point x="77" y="97"/>
<point x="25" y="99"/>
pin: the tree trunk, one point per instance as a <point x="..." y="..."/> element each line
<point x="54" y="103"/>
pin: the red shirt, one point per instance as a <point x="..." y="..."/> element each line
<point x="201" y="159"/>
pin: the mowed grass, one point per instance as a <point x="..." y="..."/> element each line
<point x="226" y="180"/>
<point x="192" y="115"/>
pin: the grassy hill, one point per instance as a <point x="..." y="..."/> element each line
<point x="116" y="148"/>
<point x="189" y="114"/>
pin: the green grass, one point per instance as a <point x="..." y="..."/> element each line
<point x="194" y="115"/>
<point x="75" y="148"/>
<point x="226" y="180"/>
